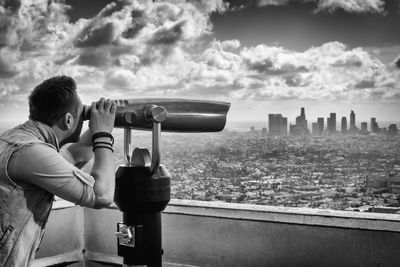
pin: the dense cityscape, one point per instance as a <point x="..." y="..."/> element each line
<point x="344" y="170"/>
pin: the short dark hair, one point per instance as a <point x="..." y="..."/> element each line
<point x="51" y="99"/>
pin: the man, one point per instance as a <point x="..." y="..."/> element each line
<point x="33" y="168"/>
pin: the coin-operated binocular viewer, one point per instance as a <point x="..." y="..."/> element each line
<point x="142" y="186"/>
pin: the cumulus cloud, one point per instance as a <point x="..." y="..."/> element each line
<point x="32" y="25"/>
<point x="208" y="6"/>
<point x="31" y="33"/>
<point x="221" y="55"/>
<point x="127" y="34"/>
<point x="97" y="36"/>
<point x="135" y="48"/>
<point x="365" y="84"/>
<point x="271" y="2"/>
<point x="148" y="31"/>
<point x="97" y="58"/>
<point x="397" y="62"/>
<point x="7" y="70"/>
<point x="272" y="60"/>
<point x="330" y="71"/>
<point x="352" y="6"/>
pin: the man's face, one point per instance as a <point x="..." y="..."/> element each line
<point x="74" y="137"/>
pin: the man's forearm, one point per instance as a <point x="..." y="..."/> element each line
<point x="101" y="124"/>
<point x="103" y="173"/>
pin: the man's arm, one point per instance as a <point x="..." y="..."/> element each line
<point x="81" y="152"/>
<point x="102" y="120"/>
<point x="43" y="166"/>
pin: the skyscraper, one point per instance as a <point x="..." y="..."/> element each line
<point x="352" y="121"/>
<point x="321" y="126"/>
<point x="344" y="125"/>
<point x="392" y="130"/>
<point x="315" y="128"/>
<point x="264" y="132"/>
<point x="364" y="127"/>
<point x="328" y="123"/>
<point x="374" y="126"/>
<point x="332" y="123"/>
<point x="272" y="124"/>
<point x="373" y="121"/>
<point x="284" y="126"/>
<point x="277" y="125"/>
<point x="301" y="126"/>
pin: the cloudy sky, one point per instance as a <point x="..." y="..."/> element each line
<point x="263" y="56"/>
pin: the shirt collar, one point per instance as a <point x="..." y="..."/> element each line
<point x="45" y="133"/>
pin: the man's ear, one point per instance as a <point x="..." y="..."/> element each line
<point x="66" y="122"/>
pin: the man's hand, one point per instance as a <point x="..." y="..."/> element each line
<point x="102" y="116"/>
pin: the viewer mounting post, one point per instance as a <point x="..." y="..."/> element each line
<point x="142" y="185"/>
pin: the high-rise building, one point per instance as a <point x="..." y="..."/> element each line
<point x="352" y="121"/>
<point x="392" y="129"/>
<point x="295" y="130"/>
<point x="277" y="125"/>
<point x="328" y="123"/>
<point x="364" y="127"/>
<point x="315" y="128"/>
<point x="320" y="122"/>
<point x="264" y="132"/>
<point x="344" y="125"/>
<point x="272" y="124"/>
<point x="301" y="126"/>
<point x="332" y="123"/>
<point x="284" y="130"/>
<point x="374" y="126"/>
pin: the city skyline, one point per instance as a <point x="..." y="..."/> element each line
<point x="262" y="56"/>
<point x="278" y="125"/>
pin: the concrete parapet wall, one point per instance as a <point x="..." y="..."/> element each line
<point x="64" y="237"/>
<point x="221" y="234"/>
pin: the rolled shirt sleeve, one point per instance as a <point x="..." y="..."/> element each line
<point x="43" y="166"/>
<point x="67" y="156"/>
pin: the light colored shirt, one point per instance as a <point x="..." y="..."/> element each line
<point x="43" y="166"/>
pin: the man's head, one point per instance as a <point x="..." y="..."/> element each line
<point x="56" y="103"/>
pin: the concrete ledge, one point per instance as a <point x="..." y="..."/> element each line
<point x="111" y="259"/>
<point x="225" y="234"/>
<point x="198" y="233"/>
<point x="300" y="216"/>
<point x="69" y="257"/>
<point x="306" y="216"/>
<point x="103" y="257"/>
